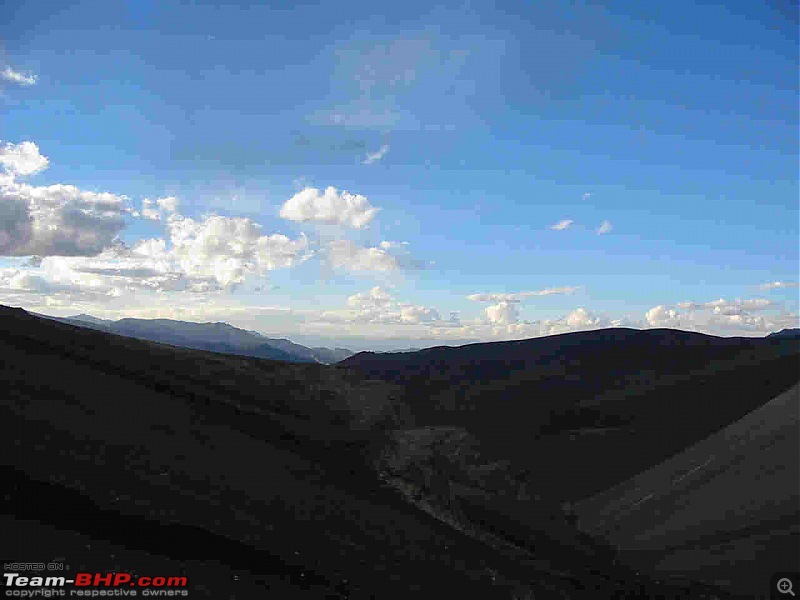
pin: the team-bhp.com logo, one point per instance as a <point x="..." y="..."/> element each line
<point x="93" y="585"/>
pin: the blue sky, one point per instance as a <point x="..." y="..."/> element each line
<point x="472" y="131"/>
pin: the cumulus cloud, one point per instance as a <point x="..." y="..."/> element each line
<point x="502" y="313"/>
<point x="33" y="287"/>
<point x="156" y="210"/>
<point x="149" y="210"/>
<point x="777" y="285"/>
<point x="344" y="254"/>
<point x="227" y="250"/>
<point x="168" y="204"/>
<point x="581" y="318"/>
<point x="504" y="310"/>
<point x="72" y="237"/>
<point x="377" y="306"/>
<point x="205" y="255"/>
<point x="56" y="219"/>
<point x="562" y="225"/>
<point x="373" y="157"/>
<point x="502" y="321"/>
<point x="22" y="159"/>
<point x="722" y="316"/>
<point x="604" y="228"/>
<point x="418" y="314"/>
<point x="374" y="298"/>
<point x="18" y="77"/>
<point x="330" y="207"/>
<point x="19" y="280"/>
<point x="662" y="316"/>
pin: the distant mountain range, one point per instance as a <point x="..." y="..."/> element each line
<point x="214" y="337"/>
<point x="225" y="338"/>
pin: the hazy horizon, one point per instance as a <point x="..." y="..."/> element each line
<point x="361" y="344"/>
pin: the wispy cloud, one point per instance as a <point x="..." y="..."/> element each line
<point x="18" y="77"/>
<point x="562" y="225"/>
<point x="776" y="285"/>
<point x="520" y="296"/>
<point x="374" y="157"/>
<point x="605" y="227"/>
<point x="344" y="254"/>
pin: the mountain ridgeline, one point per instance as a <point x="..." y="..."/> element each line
<point x="594" y="405"/>
<point x="214" y="337"/>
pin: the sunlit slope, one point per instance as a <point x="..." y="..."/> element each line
<point x="723" y="511"/>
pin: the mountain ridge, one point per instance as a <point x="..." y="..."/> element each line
<point x="212" y="336"/>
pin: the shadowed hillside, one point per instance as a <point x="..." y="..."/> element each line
<point x="252" y="475"/>
<point x="729" y="501"/>
<point x="583" y="411"/>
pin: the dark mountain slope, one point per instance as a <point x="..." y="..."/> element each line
<point x="729" y="500"/>
<point x="786" y="333"/>
<point x="584" y="411"/>
<point x="126" y="450"/>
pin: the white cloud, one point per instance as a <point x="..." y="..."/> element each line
<point x="581" y="318"/>
<point x="62" y="226"/>
<point x="344" y="254"/>
<point x="418" y="314"/>
<point x="206" y="255"/>
<point x="373" y="157"/>
<point x="520" y="296"/>
<point x="18" y="280"/>
<point x="149" y="210"/>
<point x="502" y="313"/>
<point x="662" y="316"/>
<point x="168" y="203"/>
<point x="156" y="210"/>
<point x="330" y="206"/>
<point x="605" y="227"/>
<point x="374" y="298"/>
<point x="503" y="322"/>
<point x="227" y="250"/>
<point x="56" y="219"/>
<point x="722" y="306"/>
<point x="18" y="77"/>
<point x="777" y="285"/>
<point x="22" y="159"/>
<point x="504" y="309"/>
<point x="562" y="225"/>
<point x="737" y="317"/>
<point x="377" y="306"/>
